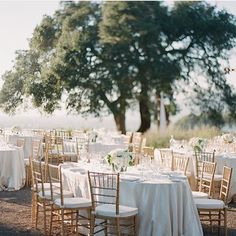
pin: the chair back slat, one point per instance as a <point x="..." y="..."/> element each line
<point x="55" y="180"/>
<point x="207" y="177"/>
<point x="20" y="142"/>
<point x="225" y="184"/>
<point x="148" y="152"/>
<point x="37" y="176"/>
<point x="104" y="189"/>
<point x="35" y="149"/>
<point x="180" y="162"/>
<point x="167" y="158"/>
<point x="200" y="157"/>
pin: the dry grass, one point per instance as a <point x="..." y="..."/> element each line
<point x="156" y="139"/>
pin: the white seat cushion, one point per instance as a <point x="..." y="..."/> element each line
<point x="70" y="154"/>
<point x="75" y="202"/>
<point x="218" y="177"/>
<point x="56" y="194"/>
<point x="47" y="186"/>
<point x="202" y="203"/>
<point x="197" y="194"/>
<point x="110" y="211"/>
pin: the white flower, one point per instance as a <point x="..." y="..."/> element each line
<point x="15" y="129"/>
<point x="93" y="136"/>
<point x="227" y="138"/>
<point x="121" y="157"/>
<point x="197" y="143"/>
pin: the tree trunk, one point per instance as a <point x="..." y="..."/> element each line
<point x="120" y="122"/>
<point x="119" y="115"/>
<point x="144" y="110"/>
<point x="158" y="105"/>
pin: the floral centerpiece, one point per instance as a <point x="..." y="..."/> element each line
<point x="227" y="138"/>
<point x="93" y="136"/>
<point x="16" y="129"/>
<point x="120" y="159"/>
<point x="198" y="144"/>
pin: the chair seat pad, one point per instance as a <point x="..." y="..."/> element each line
<point x="110" y="211"/>
<point x="53" y="152"/>
<point x="218" y="177"/>
<point x="202" y="203"/>
<point x="197" y="194"/>
<point x="56" y="194"/>
<point x="70" y="154"/>
<point x="46" y="186"/>
<point x="73" y="203"/>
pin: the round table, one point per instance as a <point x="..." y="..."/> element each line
<point x="12" y="168"/>
<point x="12" y="139"/>
<point x="165" y="207"/>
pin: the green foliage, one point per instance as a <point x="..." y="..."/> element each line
<point x="102" y="57"/>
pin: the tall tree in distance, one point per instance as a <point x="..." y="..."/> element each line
<point x="169" y="45"/>
<point x="100" y="58"/>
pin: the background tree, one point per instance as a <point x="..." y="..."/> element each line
<point x="169" y="45"/>
<point x="102" y="57"/>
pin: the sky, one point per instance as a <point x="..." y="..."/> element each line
<point x="17" y="21"/>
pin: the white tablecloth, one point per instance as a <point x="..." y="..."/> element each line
<point x="230" y="161"/>
<point x="12" y="139"/>
<point x="12" y="168"/>
<point x="221" y="161"/>
<point x="165" y="207"/>
<point x="94" y="148"/>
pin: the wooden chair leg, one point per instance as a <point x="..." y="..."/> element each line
<point x="36" y="215"/>
<point x="118" y="232"/>
<point x="62" y="223"/>
<point x="33" y="208"/>
<point x="219" y="222"/>
<point x="92" y="224"/>
<point x="76" y="222"/>
<point x="225" y="222"/>
<point x="106" y="228"/>
<point x="51" y="219"/>
<point x="44" y="218"/>
<point x="135" y="225"/>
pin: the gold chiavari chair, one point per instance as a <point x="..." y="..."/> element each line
<point x="206" y="180"/>
<point x="66" y="207"/>
<point x="129" y="134"/>
<point x="51" y="150"/>
<point x="38" y="132"/>
<point x="166" y="158"/>
<point x="39" y="198"/>
<point x="199" y="158"/>
<point x="34" y="155"/>
<point x="20" y="142"/>
<point x="104" y="189"/>
<point x="127" y="140"/>
<point x="82" y="147"/>
<point x="215" y="210"/>
<point x="138" y="142"/>
<point x="210" y="157"/>
<point x="180" y="162"/>
<point x="68" y="153"/>
<point x="77" y="133"/>
<point x="148" y="152"/>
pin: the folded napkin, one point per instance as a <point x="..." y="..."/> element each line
<point x="129" y="178"/>
<point x="80" y="170"/>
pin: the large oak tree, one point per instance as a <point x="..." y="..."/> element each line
<point x="102" y="57"/>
